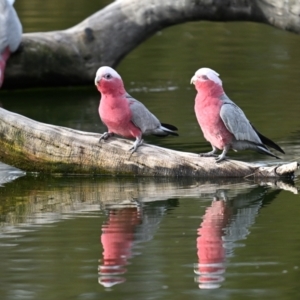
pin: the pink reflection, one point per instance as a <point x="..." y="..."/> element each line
<point x="211" y="253"/>
<point x="117" y="239"/>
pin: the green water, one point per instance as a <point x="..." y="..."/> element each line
<point x="87" y="238"/>
<point x="90" y="238"/>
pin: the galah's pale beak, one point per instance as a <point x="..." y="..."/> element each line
<point x="194" y="78"/>
<point x="97" y="79"/>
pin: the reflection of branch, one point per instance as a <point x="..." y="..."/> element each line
<point x="8" y="173"/>
<point x="49" y="199"/>
<point x="281" y="185"/>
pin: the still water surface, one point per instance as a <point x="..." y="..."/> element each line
<point x="90" y="238"/>
<point x="83" y="238"/>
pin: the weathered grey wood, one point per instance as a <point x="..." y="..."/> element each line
<point x="38" y="147"/>
<point x="72" y="56"/>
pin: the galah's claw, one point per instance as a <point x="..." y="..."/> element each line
<point x="220" y="158"/>
<point x="136" y="144"/>
<point x="132" y="149"/>
<point x="105" y="136"/>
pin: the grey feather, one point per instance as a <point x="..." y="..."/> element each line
<point x="143" y="118"/>
<point x="10" y="27"/>
<point x="237" y="123"/>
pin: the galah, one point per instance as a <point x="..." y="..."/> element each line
<point x="223" y="123"/>
<point x="10" y="33"/>
<point x="122" y="114"/>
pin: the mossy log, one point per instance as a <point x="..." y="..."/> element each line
<point x="38" y="147"/>
<point x="72" y="56"/>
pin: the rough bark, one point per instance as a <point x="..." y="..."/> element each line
<point x="72" y="56"/>
<point x="38" y="147"/>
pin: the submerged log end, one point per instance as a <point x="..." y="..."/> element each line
<point x="277" y="171"/>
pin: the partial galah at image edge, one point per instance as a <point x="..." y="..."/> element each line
<point x="10" y="33"/>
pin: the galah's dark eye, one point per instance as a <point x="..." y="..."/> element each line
<point x="107" y="76"/>
<point x="204" y="77"/>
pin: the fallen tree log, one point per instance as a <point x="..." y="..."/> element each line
<point x="38" y="147"/>
<point x="71" y="57"/>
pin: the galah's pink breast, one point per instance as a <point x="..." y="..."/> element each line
<point x="207" y="109"/>
<point x="115" y="113"/>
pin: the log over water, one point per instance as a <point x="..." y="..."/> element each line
<point x="38" y="147"/>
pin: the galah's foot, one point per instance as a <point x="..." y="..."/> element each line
<point x="220" y="158"/>
<point x="136" y="144"/>
<point x="105" y="136"/>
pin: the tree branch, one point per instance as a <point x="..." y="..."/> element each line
<point x="71" y="57"/>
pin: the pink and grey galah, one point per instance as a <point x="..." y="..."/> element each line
<point x="10" y="33"/>
<point x="223" y="123"/>
<point x="122" y="114"/>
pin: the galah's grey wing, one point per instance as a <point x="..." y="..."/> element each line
<point x="10" y="27"/>
<point x="142" y="117"/>
<point x="237" y="123"/>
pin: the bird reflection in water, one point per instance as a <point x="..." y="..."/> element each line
<point x="117" y="239"/>
<point x="210" y="249"/>
<point x="121" y="235"/>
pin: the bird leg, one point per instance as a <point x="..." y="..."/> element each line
<point x="105" y="136"/>
<point x="210" y="153"/>
<point x="138" y="142"/>
<point x="223" y="154"/>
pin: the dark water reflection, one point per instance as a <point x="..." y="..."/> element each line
<point x="142" y="237"/>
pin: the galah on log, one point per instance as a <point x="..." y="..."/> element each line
<point x="223" y="123"/>
<point x="10" y="33"/>
<point x="122" y="114"/>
